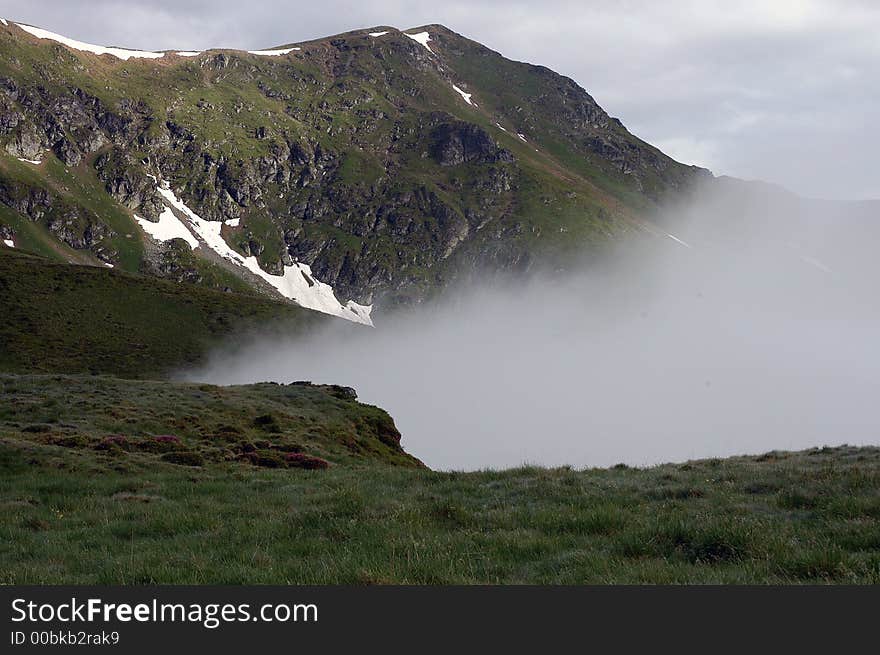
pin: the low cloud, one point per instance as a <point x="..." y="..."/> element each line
<point x="754" y="330"/>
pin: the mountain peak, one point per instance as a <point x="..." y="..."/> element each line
<point x="374" y="166"/>
<point x="125" y="53"/>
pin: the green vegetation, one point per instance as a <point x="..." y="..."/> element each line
<point x="257" y="424"/>
<point x="124" y="515"/>
<point x="72" y="319"/>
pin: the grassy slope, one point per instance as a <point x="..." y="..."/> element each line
<point x="63" y="318"/>
<point x="74" y="515"/>
<point x="259" y="422"/>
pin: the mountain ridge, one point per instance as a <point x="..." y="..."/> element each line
<point x="384" y="164"/>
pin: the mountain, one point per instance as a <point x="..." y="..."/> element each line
<point x="368" y="168"/>
<point x="155" y="206"/>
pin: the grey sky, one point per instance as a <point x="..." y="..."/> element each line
<point x="786" y="91"/>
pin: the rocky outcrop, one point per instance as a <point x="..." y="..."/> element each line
<point x="457" y="142"/>
<point x="70" y="122"/>
<point x="128" y="184"/>
<point x="34" y="202"/>
<point x="71" y="224"/>
<point x="25" y="141"/>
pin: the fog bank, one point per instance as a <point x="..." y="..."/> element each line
<point x="755" y="330"/>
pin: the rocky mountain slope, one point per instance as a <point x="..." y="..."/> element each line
<point x="372" y="167"/>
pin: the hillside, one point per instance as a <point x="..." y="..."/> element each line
<point x="372" y="167"/>
<point x="269" y="425"/>
<point x="82" y="319"/>
<point x="93" y="496"/>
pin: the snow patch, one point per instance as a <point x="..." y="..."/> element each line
<point x="421" y="37"/>
<point x="120" y="53"/>
<point x="498" y="125"/>
<point x="9" y="242"/>
<point x="378" y="33"/>
<point x="169" y="227"/>
<point x="522" y="137"/>
<point x="108" y="264"/>
<point x="466" y="96"/>
<point x="296" y="283"/>
<point x="807" y="259"/>
<point x="35" y="162"/>
<point x="3" y="20"/>
<point x="233" y="222"/>
<point x="812" y="261"/>
<point x="187" y="53"/>
<point x="272" y="53"/>
<point x="676" y="239"/>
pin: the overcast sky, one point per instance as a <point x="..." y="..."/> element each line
<point x="785" y="90"/>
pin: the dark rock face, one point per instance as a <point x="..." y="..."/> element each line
<point x="31" y="201"/>
<point x="458" y="142"/>
<point x="128" y="185"/>
<point x="70" y="228"/>
<point x="82" y="233"/>
<point x="72" y="124"/>
<point x="343" y="393"/>
<point x="26" y="142"/>
<point x="625" y="156"/>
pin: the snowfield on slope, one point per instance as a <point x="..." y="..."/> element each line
<point x="677" y="240"/>
<point x="296" y="283"/>
<point x="126" y="53"/>
<point x="169" y="227"/>
<point x="272" y="53"/>
<point x="466" y="96"/>
<point x="421" y="37"/>
<point x="121" y="53"/>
